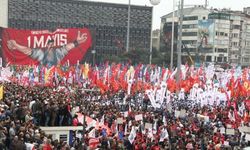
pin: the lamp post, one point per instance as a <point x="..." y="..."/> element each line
<point x="151" y="39"/>
<point x="172" y="39"/>
<point x="128" y="26"/>
<point x="93" y="52"/>
<point x="84" y="129"/>
<point x="179" y="43"/>
<point x="154" y="3"/>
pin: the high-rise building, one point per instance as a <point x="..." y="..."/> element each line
<point x="190" y="37"/>
<point x="107" y="21"/>
<point x="220" y="36"/>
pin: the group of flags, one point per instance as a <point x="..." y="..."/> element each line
<point x="132" y="79"/>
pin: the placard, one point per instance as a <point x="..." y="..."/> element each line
<point x="244" y="129"/>
<point x="120" y="120"/>
<point x="247" y="137"/>
<point x="126" y="114"/>
<point x="177" y="114"/>
<point x="183" y="113"/>
<point x="138" y="117"/>
<point x="230" y="132"/>
<point x="228" y="125"/>
<point x="222" y="130"/>
<point x="148" y="125"/>
<point x="226" y="143"/>
<point x="206" y="118"/>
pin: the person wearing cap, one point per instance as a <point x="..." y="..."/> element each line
<point x="50" y="55"/>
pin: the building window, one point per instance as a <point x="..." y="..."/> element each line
<point x="189" y="26"/>
<point x="222" y="50"/>
<point x="190" y="18"/>
<point x="189" y="33"/>
<point x="209" y="58"/>
<point x="163" y="19"/>
<point x="191" y="42"/>
<point x="219" y="59"/>
<point x="246" y="60"/>
<point x="235" y="35"/>
<point x="235" y="44"/>
<point x="236" y="26"/>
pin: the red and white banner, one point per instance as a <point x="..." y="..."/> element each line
<point x="25" y="47"/>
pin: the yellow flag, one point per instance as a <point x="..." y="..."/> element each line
<point x="86" y="71"/>
<point x="1" y="92"/>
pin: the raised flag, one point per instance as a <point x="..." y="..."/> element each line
<point x="1" y="92"/>
<point x="132" y="135"/>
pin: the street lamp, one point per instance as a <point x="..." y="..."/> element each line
<point x="172" y="39"/>
<point x="93" y="52"/>
<point x="128" y="26"/>
<point x="179" y="43"/>
<point x="154" y="3"/>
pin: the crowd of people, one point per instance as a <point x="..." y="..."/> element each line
<point x="25" y="109"/>
<point x="133" y="118"/>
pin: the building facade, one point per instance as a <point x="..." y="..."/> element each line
<point x="156" y="39"/>
<point x="107" y="22"/>
<point x="190" y="38"/>
<point x="219" y="36"/>
<point x="220" y="50"/>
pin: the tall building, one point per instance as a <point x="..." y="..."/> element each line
<point x="239" y="38"/>
<point x="190" y="37"/>
<point x="220" y="36"/>
<point x="107" y="21"/>
<point x="246" y="41"/>
<point x="246" y="10"/>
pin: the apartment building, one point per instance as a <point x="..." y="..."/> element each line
<point x="220" y="36"/>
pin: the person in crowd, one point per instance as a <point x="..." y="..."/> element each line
<point x="23" y="110"/>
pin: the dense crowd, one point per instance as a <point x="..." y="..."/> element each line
<point x="25" y="109"/>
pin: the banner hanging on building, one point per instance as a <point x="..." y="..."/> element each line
<point x="25" y="47"/>
<point x="206" y="34"/>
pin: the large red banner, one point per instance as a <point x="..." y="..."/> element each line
<point x="24" y="47"/>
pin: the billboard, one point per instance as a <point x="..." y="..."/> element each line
<point x="206" y="34"/>
<point x="44" y="47"/>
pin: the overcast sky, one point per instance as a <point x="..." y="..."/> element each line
<point x="166" y="6"/>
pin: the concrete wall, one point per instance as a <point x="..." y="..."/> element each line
<point x="4" y="13"/>
<point x="57" y="131"/>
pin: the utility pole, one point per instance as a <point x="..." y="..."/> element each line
<point x="179" y="44"/>
<point x="206" y="3"/>
<point x="172" y="41"/>
<point x="128" y="26"/>
<point x="151" y="39"/>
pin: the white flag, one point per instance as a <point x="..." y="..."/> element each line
<point x="126" y="129"/>
<point x="164" y="120"/>
<point x="92" y="133"/>
<point x="164" y="135"/>
<point x="132" y="135"/>
<point x="102" y="120"/>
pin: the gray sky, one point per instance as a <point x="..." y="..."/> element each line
<point x="166" y="6"/>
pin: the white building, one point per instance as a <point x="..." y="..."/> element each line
<point x="191" y="18"/>
<point x="226" y="38"/>
<point x="221" y="35"/>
